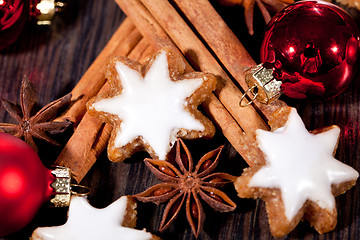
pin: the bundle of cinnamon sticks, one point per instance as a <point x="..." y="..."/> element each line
<point x="151" y="25"/>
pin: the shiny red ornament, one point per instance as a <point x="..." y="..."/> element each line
<point x="312" y="47"/>
<point x="24" y="184"/>
<point x="13" y="16"/>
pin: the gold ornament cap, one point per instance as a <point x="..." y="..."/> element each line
<point x="47" y="10"/>
<point x="262" y="85"/>
<point x="64" y="189"/>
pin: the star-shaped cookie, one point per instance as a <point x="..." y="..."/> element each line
<point x="299" y="176"/>
<point x="151" y="105"/>
<point x="86" y="222"/>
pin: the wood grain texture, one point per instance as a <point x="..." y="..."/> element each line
<point x="56" y="58"/>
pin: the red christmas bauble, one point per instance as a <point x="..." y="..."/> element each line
<point x="13" y="16"/>
<point x="24" y="184"/>
<point x="312" y="46"/>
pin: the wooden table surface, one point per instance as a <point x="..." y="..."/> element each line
<point x="56" y="57"/>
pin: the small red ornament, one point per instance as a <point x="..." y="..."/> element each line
<point x="25" y="184"/>
<point x="13" y="16"/>
<point x="310" y="49"/>
<point x="15" y="13"/>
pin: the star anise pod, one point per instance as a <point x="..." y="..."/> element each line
<point x="183" y="185"/>
<point x="29" y="126"/>
<point x="263" y="5"/>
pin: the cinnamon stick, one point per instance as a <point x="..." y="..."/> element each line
<point x="223" y="43"/>
<point x="143" y="52"/>
<point x="231" y="130"/>
<point x="85" y="146"/>
<point x="121" y="43"/>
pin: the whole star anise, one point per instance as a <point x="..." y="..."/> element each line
<point x="184" y="185"/>
<point x="264" y="6"/>
<point x="29" y="126"/>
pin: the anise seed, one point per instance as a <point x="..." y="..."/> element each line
<point x="206" y="165"/>
<point x="162" y="191"/>
<point x="216" y="197"/>
<point x="216" y="180"/>
<point x="194" y="210"/>
<point x="167" y="171"/>
<point x="174" y="207"/>
<point x="185" y="160"/>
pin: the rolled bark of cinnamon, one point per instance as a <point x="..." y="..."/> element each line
<point x="231" y="130"/>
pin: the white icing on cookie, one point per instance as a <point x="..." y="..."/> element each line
<point x="88" y="223"/>
<point x="152" y="107"/>
<point x="301" y="165"/>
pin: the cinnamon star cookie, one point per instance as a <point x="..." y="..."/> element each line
<point x="298" y="177"/>
<point x="116" y="221"/>
<point x="150" y="106"/>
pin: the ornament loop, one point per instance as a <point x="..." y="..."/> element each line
<point x="79" y="190"/>
<point x="246" y="93"/>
